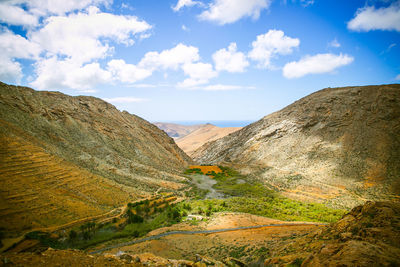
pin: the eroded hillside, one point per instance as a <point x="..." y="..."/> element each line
<point x="338" y="145"/>
<point x="64" y="158"/>
<point x="206" y="133"/>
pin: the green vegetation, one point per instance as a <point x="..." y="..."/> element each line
<point x="194" y="171"/>
<point x="250" y="196"/>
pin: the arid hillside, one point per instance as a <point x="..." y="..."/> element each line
<point x="338" y="145"/>
<point x="177" y="130"/>
<point x="202" y="135"/>
<point x="63" y="158"/>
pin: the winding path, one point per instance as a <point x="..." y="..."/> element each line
<point x="198" y="232"/>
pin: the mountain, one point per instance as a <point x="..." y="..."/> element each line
<point x="177" y="130"/>
<point x="340" y="146"/>
<point x="65" y="158"/>
<point x="202" y="135"/>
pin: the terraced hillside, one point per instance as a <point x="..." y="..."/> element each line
<point x="338" y="145"/>
<point x="40" y="190"/>
<point x="65" y="158"/>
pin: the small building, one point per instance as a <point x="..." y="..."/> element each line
<point x="192" y="217"/>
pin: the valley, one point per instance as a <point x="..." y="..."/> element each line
<point x="81" y="175"/>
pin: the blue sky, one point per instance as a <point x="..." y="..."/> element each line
<point x="175" y="60"/>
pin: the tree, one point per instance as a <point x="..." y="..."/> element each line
<point x="133" y="218"/>
<point x="72" y="235"/>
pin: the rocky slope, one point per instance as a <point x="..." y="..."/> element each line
<point x="64" y="158"/>
<point x="202" y="135"/>
<point x="177" y="130"/>
<point x="337" y="145"/>
<point x="369" y="235"/>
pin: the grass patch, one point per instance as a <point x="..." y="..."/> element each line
<point x="250" y="196"/>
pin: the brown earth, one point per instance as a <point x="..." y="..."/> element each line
<point x="339" y="146"/>
<point x="246" y="245"/>
<point x="177" y="130"/>
<point x="65" y="158"/>
<point x="206" y="133"/>
<point x="367" y="236"/>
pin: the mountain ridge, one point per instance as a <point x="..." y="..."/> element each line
<point x="337" y="145"/>
<point x="82" y="136"/>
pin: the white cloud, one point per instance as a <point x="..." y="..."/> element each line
<point x="230" y="60"/>
<point x="10" y="70"/>
<point x="320" y="63"/>
<point x="81" y="36"/>
<point x="199" y="73"/>
<point x="61" y="7"/>
<point x="16" y="46"/>
<point x="268" y="45"/>
<point x="334" y="43"/>
<point x="15" y="15"/>
<point x="124" y="99"/>
<point x="56" y="74"/>
<point x="28" y="12"/>
<point x="371" y="18"/>
<point x="127" y="73"/>
<point x="229" y="11"/>
<point x="170" y="59"/>
<point x="224" y="87"/>
<point x="397" y="78"/>
<point x="187" y="3"/>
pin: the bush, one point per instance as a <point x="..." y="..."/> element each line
<point x="72" y="235"/>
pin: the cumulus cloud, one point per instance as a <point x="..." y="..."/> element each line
<point x="199" y="73"/>
<point x="370" y="18"/>
<point x="187" y="3"/>
<point x="320" y="63"/>
<point x="171" y="58"/>
<point x="397" y="78"/>
<point x="230" y="60"/>
<point x="270" y="44"/>
<point x="28" y="12"/>
<point x="13" y="47"/>
<point x="53" y="73"/>
<point x="124" y="99"/>
<point x="80" y="36"/>
<point x="10" y="70"/>
<point x="229" y="11"/>
<point x="15" y="15"/>
<point x="127" y="73"/>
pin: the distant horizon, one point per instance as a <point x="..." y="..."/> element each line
<point x="219" y="123"/>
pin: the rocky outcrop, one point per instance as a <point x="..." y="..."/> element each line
<point x="369" y="235"/>
<point x="337" y="145"/>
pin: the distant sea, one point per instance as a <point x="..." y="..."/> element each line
<point x="216" y="123"/>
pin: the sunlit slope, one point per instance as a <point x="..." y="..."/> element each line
<point x="41" y="190"/>
<point x="202" y="135"/>
<point x="96" y="136"/>
<point x="337" y="145"/>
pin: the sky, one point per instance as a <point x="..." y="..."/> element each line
<point x="198" y="60"/>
